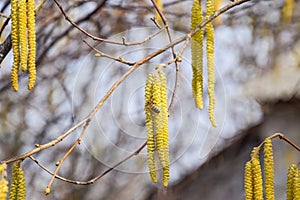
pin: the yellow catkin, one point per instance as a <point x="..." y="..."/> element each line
<point x="210" y="62"/>
<point x="296" y="186"/>
<point x="15" y="43"/>
<point x="293" y="187"/>
<point x="160" y="7"/>
<point x="149" y="127"/>
<point x="257" y="180"/>
<point x="163" y="133"/>
<point x="3" y="189"/>
<point x="3" y="183"/>
<point x="287" y="11"/>
<point x="23" y="33"/>
<point x="290" y="182"/>
<point x="18" y="186"/>
<point x="157" y="124"/>
<point x="197" y="54"/>
<point x="269" y="170"/>
<point x="248" y="181"/>
<point x="31" y="44"/>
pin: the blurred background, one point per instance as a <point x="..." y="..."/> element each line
<point x="257" y="57"/>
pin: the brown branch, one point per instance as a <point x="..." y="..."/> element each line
<point x="275" y="135"/>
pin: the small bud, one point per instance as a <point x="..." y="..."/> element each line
<point x="47" y="191"/>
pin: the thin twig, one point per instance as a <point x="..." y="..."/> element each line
<point x="275" y="135"/>
<point x="93" y="180"/>
<point x="98" y="38"/>
<point x="101" y="54"/>
<point x="4" y="16"/>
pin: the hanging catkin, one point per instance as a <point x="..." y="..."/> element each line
<point x="23" y="41"/>
<point x="162" y="134"/>
<point x="197" y="54"/>
<point x="15" y="43"/>
<point x="248" y="181"/>
<point x="156" y="110"/>
<point x="18" y="186"/>
<point x="23" y="34"/>
<point x="149" y="126"/>
<point x="269" y="170"/>
<point x="257" y="179"/>
<point x="3" y="182"/>
<point x="210" y="62"/>
<point x="31" y="44"/>
<point x="293" y="184"/>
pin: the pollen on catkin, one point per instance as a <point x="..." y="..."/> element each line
<point x="157" y="124"/>
<point x="18" y="186"/>
<point x="15" y="43"/>
<point x="248" y="181"/>
<point x="163" y="153"/>
<point x="257" y="179"/>
<point x="296" y="186"/>
<point x="3" y="182"/>
<point x="197" y="54"/>
<point x="31" y="44"/>
<point x="269" y="170"/>
<point x="23" y="33"/>
<point x="293" y="184"/>
<point x="149" y="127"/>
<point x="210" y="62"/>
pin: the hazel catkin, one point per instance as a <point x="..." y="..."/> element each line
<point x="157" y="124"/>
<point x="197" y="54"/>
<point x="18" y="186"/>
<point x="210" y="62"/>
<point x="269" y="169"/>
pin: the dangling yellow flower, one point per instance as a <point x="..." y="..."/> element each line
<point x="248" y="181"/>
<point x="210" y="62"/>
<point x="23" y="44"/>
<point x="269" y="170"/>
<point x="257" y="179"/>
<point x="23" y="34"/>
<point x="31" y="45"/>
<point x="197" y="54"/>
<point x="15" y="43"/>
<point x="157" y="124"/>
<point x="149" y="126"/>
<point x="3" y="182"/>
<point x="18" y="186"/>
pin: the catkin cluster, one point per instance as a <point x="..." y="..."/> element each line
<point x="18" y="185"/>
<point x="23" y="41"/>
<point x="293" y="183"/>
<point x="156" y="110"/>
<point x="253" y="181"/>
<point x="197" y="57"/>
<point x="3" y="182"/>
